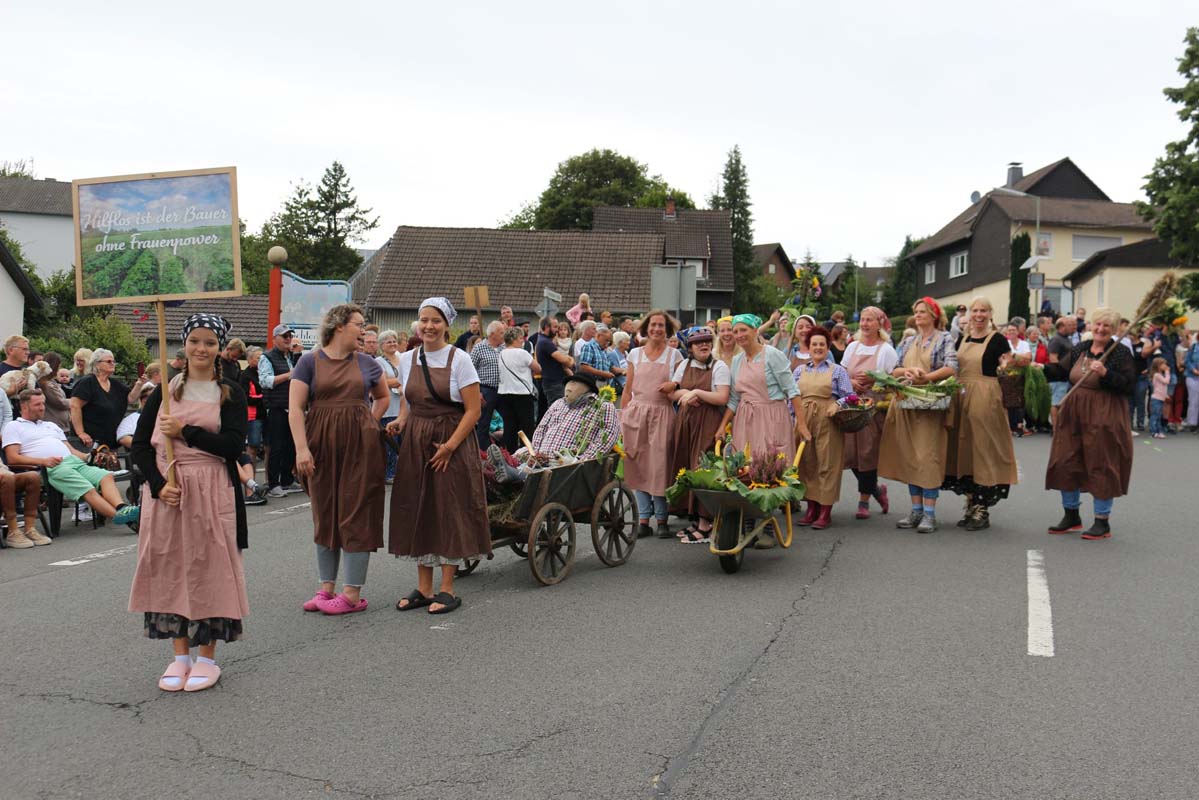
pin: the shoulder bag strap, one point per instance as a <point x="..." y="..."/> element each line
<point x="424" y="365"/>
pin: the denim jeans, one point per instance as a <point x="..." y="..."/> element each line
<point x="483" y="429"/>
<point x="927" y="494"/>
<point x="1136" y="403"/>
<point x="1155" y="416"/>
<point x="1192" y="401"/>
<point x="648" y="505"/>
<point x="1073" y="500"/>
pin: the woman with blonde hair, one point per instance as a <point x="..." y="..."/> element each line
<point x="1092" y="440"/>
<point x="871" y="352"/>
<point x="726" y="347"/>
<point x="914" y="441"/>
<point x="576" y="311"/>
<point x="980" y="461"/>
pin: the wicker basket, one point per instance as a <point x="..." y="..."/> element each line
<point x="919" y="404"/>
<point x="1012" y="389"/>
<point x="852" y="420"/>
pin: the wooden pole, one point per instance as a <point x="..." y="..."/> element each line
<point x="161" y="312"/>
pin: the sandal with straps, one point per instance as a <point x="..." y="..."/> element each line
<point x="415" y="600"/>
<point x="697" y="536"/>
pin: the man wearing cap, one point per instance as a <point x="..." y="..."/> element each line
<point x="176" y="364"/>
<point x="959" y="321"/>
<point x="274" y="371"/>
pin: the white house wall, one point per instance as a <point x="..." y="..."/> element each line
<point x="12" y="307"/>
<point x="47" y="241"/>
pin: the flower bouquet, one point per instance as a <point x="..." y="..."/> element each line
<point x="764" y="479"/>
<point x="855" y="414"/>
<point x="930" y="397"/>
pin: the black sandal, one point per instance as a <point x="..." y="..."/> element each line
<point x="448" y="602"/>
<point x="415" y="600"/>
<point x="696" y="536"/>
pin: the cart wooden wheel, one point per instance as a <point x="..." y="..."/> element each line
<point x="728" y="533"/>
<point x="466" y="567"/>
<point x="520" y="548"/>
<point x="614" y="524"/>
<point x="551" y="544"/>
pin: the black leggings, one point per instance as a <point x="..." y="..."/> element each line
<point x="283" y="449"/>
<point x="867" y="481"/>
<point x="518" y="414"/>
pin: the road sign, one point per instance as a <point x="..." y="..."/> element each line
<point x="550" y="294"/>
<point x="546" y="308"/>
<point x="673" y="287"/>
<point x="1036" y="280"/>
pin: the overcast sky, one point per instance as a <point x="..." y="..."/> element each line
<point x="858" y="122"/>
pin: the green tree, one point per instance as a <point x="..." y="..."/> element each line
<point x="21" y="168"/>
<point x="523" y="220"/>
<point x="317" y="226"/>
<point x="1188" y="290"/>
<point x="1173" y="185"/>
<point x="98" y="330"/>
<point x="658" y="192"/>
<point x="1018" y="283"/>
<point x="900" y="291"/>
<point x="595" y="178"/>
<point x="733" y="195"/>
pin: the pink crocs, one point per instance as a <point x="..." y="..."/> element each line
<point x="315" y="603"/>
<point x="340" y="605"/>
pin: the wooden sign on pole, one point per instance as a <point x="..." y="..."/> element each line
<point x="160" y="310"/>
<point x="477" y="297"/>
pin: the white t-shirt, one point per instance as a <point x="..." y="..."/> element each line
<point x="515" y="375"/>
<point x="1020" y="348"/>
<point x="670" y="357"/>
<point x="577" y="347"/>
<point x="720" y="371"/>
<point x="462" y="373"/>
<point x="37" y="439"/>
<point x="128" y="425"/>
<point x="887" y="359"/>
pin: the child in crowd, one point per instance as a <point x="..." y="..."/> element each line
<point x="1161" y="392"/>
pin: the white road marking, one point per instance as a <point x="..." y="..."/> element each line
<point x="290" y="509"/>
<point x="116" y="551"/>
<point x="1040" y="615"/>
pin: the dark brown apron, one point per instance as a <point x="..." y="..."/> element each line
<point x="694" y="433"/>
<point x="347" y="448"/>
<point x="436" y="513"/>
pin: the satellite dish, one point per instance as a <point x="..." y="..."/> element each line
<point x="975" y="197"/>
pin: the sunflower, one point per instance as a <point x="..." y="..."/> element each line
<point x="608" y="394"/>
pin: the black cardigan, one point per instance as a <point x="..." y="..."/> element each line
<point x="227" y="443"/>
<point x="1121" y="377"/>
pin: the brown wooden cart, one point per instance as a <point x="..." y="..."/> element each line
<point x="539" y="524"/>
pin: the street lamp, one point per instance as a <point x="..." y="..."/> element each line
<point x="1033" y="259"/>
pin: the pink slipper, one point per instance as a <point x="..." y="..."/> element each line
<point x="211" y="673"/>
<point x="340" y="605"/>
<point x="315" y="603"/>
<point x="177" y="669"/>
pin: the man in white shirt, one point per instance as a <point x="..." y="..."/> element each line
<point x="31" y="442"/>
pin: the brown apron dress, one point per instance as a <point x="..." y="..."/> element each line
<point x="441" y="514"/>
<point x="764" y="424"/>
<point x="820" y="467"/>
<point x="914" y="442"/>
<point x="980" y="444"/>
<point x="647" y="425"/>
<point x="1092" y="440"/>
<point x="694" y="434"/>
<point x="861" y="447"/>
<point x="347" y="448"/>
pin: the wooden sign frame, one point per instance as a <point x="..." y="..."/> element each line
<point x="234" y="233"/>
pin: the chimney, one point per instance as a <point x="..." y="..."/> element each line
<point x="1015" y="173"/>
<point x="670" y="207"/>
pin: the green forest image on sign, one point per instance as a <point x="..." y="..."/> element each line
<point x="157" y="236"/>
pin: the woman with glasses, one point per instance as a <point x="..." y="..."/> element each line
<point x="99" y="400"/>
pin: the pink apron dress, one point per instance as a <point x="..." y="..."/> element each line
<point x="764" y="423"/>
<point x="647" y="425"/>
<point x="187" y="558"/>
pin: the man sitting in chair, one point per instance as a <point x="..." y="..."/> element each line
<point x="31" y="442"/>
<point x="560" y="429"/>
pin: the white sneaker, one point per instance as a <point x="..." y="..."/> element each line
<point x="1135" y="432"/>
<point x="276" y="491"/>
<point x="83" y="513"/>
<point x="292" y="488"/>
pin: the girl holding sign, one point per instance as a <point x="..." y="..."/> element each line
<point x="189" y="581"/>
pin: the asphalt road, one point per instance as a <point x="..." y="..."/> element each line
<point x="865" y="662"/>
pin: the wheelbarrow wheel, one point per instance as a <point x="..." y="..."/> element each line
<point x="466" y="567"/>
<point x="614" y="524"/>
<point x="520" y="548"/>
<point x="551" y="544"/>
<point x="728" y="533"/>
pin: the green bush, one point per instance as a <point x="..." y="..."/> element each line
<point x="110" y="332"/>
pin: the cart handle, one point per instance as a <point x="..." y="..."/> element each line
<point x="798" y="454"/>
